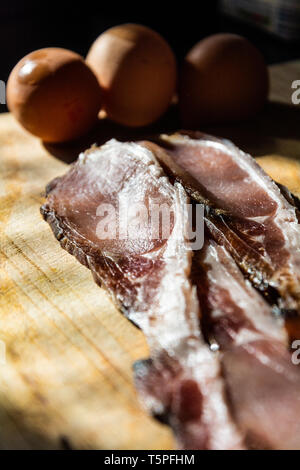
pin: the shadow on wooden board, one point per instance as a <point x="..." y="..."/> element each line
<point x="16" y="434"/>
<point x="258" y="136"/>
<point x="106" y="130"/>
<point x="276" y="123"/>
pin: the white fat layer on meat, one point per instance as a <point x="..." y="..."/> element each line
<point x="176" y="327"/>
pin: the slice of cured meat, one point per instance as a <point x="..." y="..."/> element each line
<point x="263" y="384"/>
<point x="148" y="277"/>
<point x="246" y="211"/>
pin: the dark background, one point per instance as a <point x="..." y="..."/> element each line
<point x="25" y="26"/>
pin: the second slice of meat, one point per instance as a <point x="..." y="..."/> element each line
<point x="247" y="212"/>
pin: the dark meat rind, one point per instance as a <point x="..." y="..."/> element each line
<point x="291" y="198"/>
<point x="149" y="280"/>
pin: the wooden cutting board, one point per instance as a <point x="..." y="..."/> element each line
<point x="67" y="378"/>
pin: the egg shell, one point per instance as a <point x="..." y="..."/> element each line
<point x="136" y="69"/>
<point x="54" y="94"/>
<point x="224" y="78"/>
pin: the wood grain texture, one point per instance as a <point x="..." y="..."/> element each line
<point x="67" y="380"/>
<point x="69" y="351"/>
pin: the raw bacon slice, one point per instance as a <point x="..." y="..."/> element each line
<point x="149" y="280"/>
<point x="247" y="212"/>
<point x="263" y="384"/>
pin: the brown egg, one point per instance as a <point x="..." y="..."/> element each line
<point x="136" y="69"/>
<point x="54" y="94"/>
<point x="224" y="78"/>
